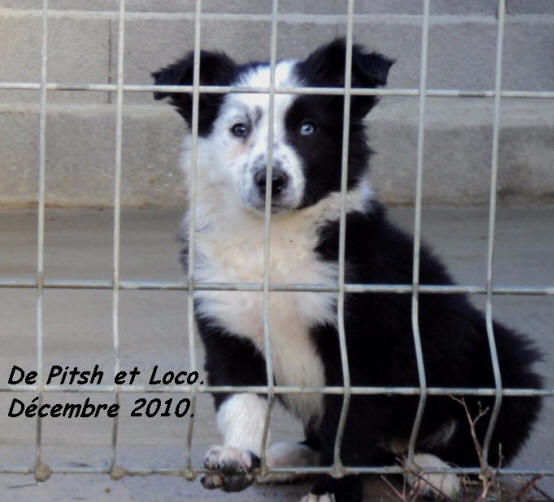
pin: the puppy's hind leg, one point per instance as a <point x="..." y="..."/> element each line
<point x="288" y="454"/>
<point x="432" y="485"/>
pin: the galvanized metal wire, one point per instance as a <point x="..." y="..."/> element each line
<point x="490" y="246"/>
<point x="142" y="285"/>
<point x="338" y="466"/>
<point x="267" y="238"/>
<point x="279" y="389"/>
<point x="40" y="471"/>
<point x="276" y="470"/>
<point x="190" y="286"/>
<point x="192" y="230"/>
<point x="417" y="235"/>
<point x="324" y="91"/>
<point x="117" y="222"/>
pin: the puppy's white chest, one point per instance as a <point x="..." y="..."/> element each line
<point x="227" y="256"/>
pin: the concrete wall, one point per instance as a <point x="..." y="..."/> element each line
<point x="81" y="125"/>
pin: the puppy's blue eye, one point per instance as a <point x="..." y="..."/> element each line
<point x="239" y="130"/>
<point x="307" y="129"/>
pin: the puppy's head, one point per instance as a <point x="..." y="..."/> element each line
<point x="233" y="128"/>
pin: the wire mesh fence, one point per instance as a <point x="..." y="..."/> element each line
<point x="341" y="288"/>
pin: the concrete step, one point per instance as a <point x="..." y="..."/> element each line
<point x="78" y="332"/>
<point x="83" y="44"/>
<point x="462" y="43"/>
<point x="80" y="155"/>
<point x="458" y="150"/>
<point x="81" y="145"/>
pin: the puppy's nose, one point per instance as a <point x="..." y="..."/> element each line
<point x="279" y="180"/>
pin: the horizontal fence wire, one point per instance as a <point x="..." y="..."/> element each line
<point x="276" y="470"/>
<point x="116" y="284"/>
<point x="143" y="285"/>
<point x="279" y="389"/>
<point x="330" y="91"/>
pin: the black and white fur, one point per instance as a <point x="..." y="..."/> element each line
<point x="229" y="247"/>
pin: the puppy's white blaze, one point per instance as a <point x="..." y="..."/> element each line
<point x="240" y="420"/>
<point x="258" y="104"/>
<point x="231" y="160"/>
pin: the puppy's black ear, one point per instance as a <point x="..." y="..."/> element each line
<point x="215" y="69"/>
<point x="325" y="68"/>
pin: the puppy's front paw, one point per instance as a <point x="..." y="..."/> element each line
<point x="230" y="460"/>
<point x="232" y="468"/>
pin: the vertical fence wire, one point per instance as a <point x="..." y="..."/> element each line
<point x="267" y="236"/>
<point x="492" y="221"/>
<point x="41" y="471"/>
<point x="189" y="473"/>
<point x="117" y="220"/>
<point x="417" y="234"/>
<point x="338" y="467"/>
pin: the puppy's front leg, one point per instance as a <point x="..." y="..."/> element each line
<point x="240" y="419"/>
<point x="234" y="360"/>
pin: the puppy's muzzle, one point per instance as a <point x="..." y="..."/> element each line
<point x="279" y="181"/>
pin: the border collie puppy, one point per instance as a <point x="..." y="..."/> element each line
<point x="229" y="247"/>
